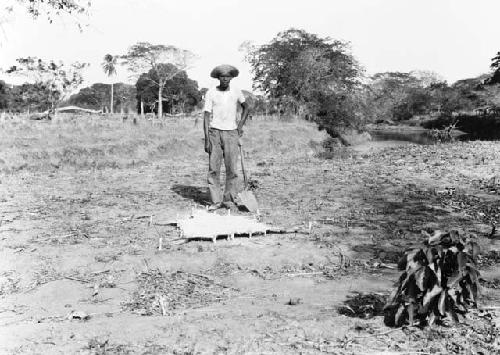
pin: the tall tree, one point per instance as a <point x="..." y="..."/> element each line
<point x="306" y="74"/>
<point x="57" y="78"/>
<point x="495" y="66"/>
<point x="179" y="93"/>
<point x="165" y="61"/>
<point x="389" y="92"/>
<point x="109" y="67"/>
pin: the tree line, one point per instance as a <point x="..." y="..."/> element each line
<point x="296" y="73"/>
<point x="319" y="78"/>
<point x="162" y="83"/>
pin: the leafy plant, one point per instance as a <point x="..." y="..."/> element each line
<point x="444" y="134"/>
<point x="438" y="281"/>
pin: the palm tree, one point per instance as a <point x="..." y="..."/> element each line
<point x="109" y="67"/>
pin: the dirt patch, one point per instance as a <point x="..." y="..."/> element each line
<point x="77" y="198"/>
<point x="161" y="293"/>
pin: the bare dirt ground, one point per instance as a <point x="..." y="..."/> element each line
<point x="81" y="273"/>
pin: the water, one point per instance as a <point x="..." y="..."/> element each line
<point x="417" y="137"/>
<point x="384" y="139"/>
<point x="420" y="136"/>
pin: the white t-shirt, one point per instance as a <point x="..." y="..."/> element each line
<point x="223" y="106"/>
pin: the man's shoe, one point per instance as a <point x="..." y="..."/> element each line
<point x="215" y="206"/>
<point x="230" y="206"/>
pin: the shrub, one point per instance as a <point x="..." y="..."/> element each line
<point x="485" y="126"/>
<point x="438" y="281"/>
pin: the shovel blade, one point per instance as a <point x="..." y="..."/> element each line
<point x="247" y="199"/>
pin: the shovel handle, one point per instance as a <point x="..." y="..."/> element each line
<point x="245" y="179"/>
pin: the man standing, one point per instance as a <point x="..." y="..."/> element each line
<point x="222" y="133"/>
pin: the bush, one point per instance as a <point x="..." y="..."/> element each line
<point x="479" y="127"/>
<point x="438" y="281"/>
<point x="439" y="123"/>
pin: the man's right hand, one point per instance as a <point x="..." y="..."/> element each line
<point x="208" y="146"/>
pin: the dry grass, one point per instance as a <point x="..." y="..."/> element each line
<point x="101" y="142"/>
<point x="161" y="293"/>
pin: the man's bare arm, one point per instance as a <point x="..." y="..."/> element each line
<point x="206" y="125"/>
<point x="244" y="115"/>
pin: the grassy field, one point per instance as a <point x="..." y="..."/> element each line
<point x="78" y="195"/>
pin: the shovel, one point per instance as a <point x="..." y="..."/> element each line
<point x="246" y="197"/>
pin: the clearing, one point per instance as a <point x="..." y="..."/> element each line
<point x="80" y="269"/>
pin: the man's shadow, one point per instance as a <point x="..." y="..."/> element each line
<point x="198" y="194"/>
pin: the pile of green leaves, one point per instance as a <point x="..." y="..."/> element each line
<point x="439" y="281"/>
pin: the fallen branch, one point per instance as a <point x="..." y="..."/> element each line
<point x="75" y="279"/>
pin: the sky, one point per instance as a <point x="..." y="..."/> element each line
<point x="454" y="38"/>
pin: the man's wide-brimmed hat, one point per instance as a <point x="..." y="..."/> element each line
<point x="224" y="69"/>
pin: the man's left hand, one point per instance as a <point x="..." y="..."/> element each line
<point x="240" y="131"/>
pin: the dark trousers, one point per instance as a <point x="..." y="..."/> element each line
<point x="224" y="145"/>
